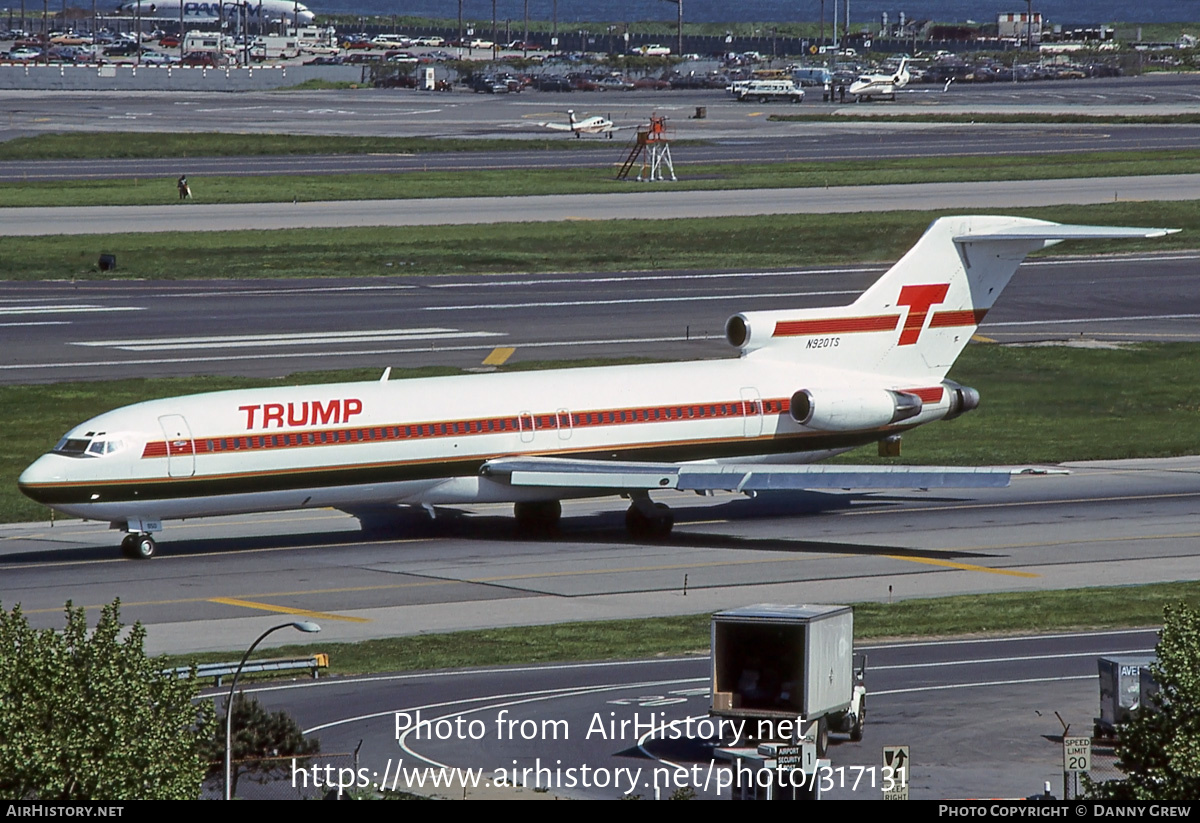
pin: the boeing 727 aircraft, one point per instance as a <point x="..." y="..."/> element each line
<point x="809" y="383"/>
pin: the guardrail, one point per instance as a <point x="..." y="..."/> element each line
<point x="313" y="663"/>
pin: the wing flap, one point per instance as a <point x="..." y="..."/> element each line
<point x="737" y="477"/>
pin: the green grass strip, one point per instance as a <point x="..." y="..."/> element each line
<point x="108" y="145"/>
<point x="590" y="180"/>
<point x="1005" y="613"/>
<point x="609" y="245"/>
<point x="1040" y="405"/>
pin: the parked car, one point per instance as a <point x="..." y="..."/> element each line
<point x="25" y="54"/>
<point x="552" y="82"/>
<point x="652" y="50"/>
<point x="202" y="59"/>
<point x="489" y="85"/>
<point x="615" y="83"/>
<point x="398" y="81"/>
<point x="157" y="58"/>
<point x="655" y="83"/>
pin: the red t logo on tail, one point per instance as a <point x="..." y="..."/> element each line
<point x="918" y="299"/>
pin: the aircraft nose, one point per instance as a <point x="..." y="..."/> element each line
<point x="41" y="472"/>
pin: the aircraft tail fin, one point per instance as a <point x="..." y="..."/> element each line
<point x="915" y="320"/>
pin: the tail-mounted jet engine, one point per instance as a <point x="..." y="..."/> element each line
<point x="837" y="410"/>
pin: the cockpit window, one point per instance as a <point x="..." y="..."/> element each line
<point x="90" y="445"/>
<point x="72" y="447"/>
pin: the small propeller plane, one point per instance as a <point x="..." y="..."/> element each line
<point x="590" y="125"/>
<point x="808" y="384"/>
<point x="879" y="85"/>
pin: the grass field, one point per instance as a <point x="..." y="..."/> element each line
<point x="611" y="245"/>
<point x="588" y="180"/>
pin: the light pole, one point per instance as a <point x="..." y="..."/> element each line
<point x="303" y="626"/>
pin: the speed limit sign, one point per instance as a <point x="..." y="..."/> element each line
<point x="1077" y="754"/>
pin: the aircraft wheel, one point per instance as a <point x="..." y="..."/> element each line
<point x="537" y="518"/>
<point x="129" y="546"/>
<point x="642" y="526"/>
<point x="143" y="547"/>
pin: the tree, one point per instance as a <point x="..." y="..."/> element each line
<point x="88" y="716"/>
<point x="1159" y="748"/>
<point x="263" y="743"/>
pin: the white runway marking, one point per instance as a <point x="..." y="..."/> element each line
<point x="246" y="341"/>
<point x="37" y="323"/>
<point x="81" y="309"/>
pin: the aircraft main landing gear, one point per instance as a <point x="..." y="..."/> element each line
<point x="139" y="546"/>
<point x="646" y="520"/>
<point x="537" y="518"/>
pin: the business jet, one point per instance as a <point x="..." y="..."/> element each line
<point x="590" y="125"/>
<point x="212" y="11"/>
<point x="809" y="383"/>
<point x="878" y="85"/>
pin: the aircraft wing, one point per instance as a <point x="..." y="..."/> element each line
<point x="737" y="477"/>
<point x="556" y="126"/>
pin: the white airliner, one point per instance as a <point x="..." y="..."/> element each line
<point x="206" y="11"/>
<point x="809" y="383"/>
<point x="879" y="85"/>
<point x="590" y="125"/>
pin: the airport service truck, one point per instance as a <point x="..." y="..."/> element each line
<point x="789" y="671"/>
<point x="274" y="47"/>
<point x="1126" y="684"/>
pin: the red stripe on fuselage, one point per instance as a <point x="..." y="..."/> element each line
<point x="458" y="428"/>
<point x="836" y="325"/>
<point x="965" y="317"/>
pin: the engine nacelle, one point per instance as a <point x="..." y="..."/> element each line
<point x="839" y="410"/>
<point x="752" y="330"/>
<point x="962" y="399"/>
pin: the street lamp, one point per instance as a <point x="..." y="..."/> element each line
<point x="301" y="625"/>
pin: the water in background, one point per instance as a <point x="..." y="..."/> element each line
<point x="1068" y="12"/>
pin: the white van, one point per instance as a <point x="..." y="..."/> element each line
<point x="768" y="91"/>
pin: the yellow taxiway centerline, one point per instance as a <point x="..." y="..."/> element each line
<point x="267" y="607"/>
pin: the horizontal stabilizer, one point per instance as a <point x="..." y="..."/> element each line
<point x="737" y="477"/>
<point x="1051" y="231"/>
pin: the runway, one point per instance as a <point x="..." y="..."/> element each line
<point x="403" y="113"/>
<point x="218" y="581"/>
<point x="53" y="331"/>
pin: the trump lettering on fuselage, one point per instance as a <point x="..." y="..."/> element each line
<point x="316" y="412"/>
